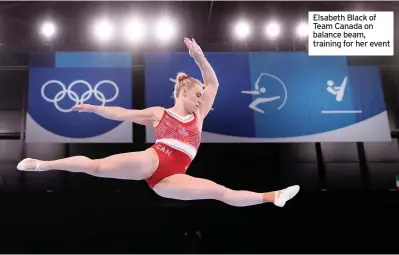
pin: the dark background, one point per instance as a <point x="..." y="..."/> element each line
<point x="347" y="203"/>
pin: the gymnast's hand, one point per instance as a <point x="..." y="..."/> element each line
<point x="194" y="49"/>
<point x="83" y="108"/>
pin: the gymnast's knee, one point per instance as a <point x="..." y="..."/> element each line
<point x="91" y="166"/>
<point x="229" y="197"/>
<point x="223" y="194"/>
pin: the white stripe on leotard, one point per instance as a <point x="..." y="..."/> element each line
<point x="179" y="145"/>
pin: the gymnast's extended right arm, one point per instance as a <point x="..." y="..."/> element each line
<point x="143" y="117"/>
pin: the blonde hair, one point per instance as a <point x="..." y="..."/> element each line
<point x="183" y="79"/>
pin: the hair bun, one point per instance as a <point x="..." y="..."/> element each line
<point x="181" y="76"/>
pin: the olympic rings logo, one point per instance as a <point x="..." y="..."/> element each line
<point x="74" y="96"/>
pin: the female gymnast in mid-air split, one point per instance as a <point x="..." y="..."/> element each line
<point x="178" y="136"/>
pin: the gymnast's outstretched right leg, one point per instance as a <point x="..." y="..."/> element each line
<point x="129" y="166"/>
<point x="185" y="187"/>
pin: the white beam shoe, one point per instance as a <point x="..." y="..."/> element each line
<point x="285" y="195"/>
<point x="22" y="165"/>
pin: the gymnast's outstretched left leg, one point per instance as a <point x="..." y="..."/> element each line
<point x="185" y="187"/>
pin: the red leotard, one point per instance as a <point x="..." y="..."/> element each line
<point x="177" y="142"/>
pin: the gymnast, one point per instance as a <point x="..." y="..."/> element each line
<point x="178" y="135"/>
